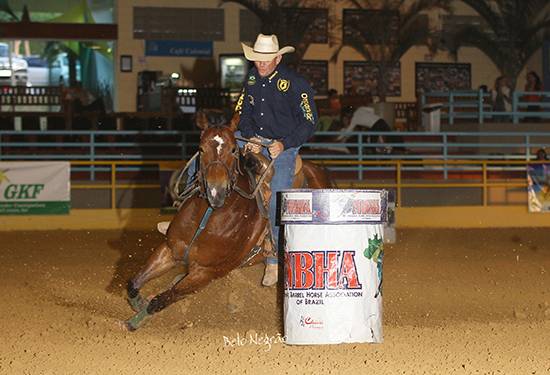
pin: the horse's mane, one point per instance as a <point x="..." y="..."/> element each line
<point x="215" y="118"/>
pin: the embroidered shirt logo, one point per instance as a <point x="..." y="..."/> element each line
<point x="239" y="105"/>
<point x="251" y="80"/>
<point x="306" y="108"/>
<point x="283" y="85"/>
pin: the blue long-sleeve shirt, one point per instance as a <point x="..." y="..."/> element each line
<point x="279" y="107"/>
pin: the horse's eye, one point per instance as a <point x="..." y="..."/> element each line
<point x="201" y="150"/>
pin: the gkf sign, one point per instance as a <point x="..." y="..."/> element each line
<point x="34" y="188"/>
<point x="19" y="191"/>
<point x="23" y="191"/>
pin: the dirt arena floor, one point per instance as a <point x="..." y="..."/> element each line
<point x="455" y="302"/>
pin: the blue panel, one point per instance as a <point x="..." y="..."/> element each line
<point x="178" y="48"/>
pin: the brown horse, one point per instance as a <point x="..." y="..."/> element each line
<point x="235" y="226"/>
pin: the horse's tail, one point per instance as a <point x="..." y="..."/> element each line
<point x="317" y="176"/>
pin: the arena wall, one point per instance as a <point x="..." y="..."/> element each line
<point x="417" y="217"/>
<point x="483" y="70"/>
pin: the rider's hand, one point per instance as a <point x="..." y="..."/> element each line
<point x="275" y="149"/>
<point x="253" y="147"/>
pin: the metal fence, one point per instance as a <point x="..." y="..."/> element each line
<point x="477" y="106"/>
<point x="345" y="159"/>
<point x="399" y="180"/>
<point x="454" y="163"/>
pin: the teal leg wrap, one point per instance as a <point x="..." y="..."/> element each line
<point x="138" y="303"/>
<point x="134" y="322"/>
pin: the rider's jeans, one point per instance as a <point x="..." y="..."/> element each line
<point x="283" y="177"/>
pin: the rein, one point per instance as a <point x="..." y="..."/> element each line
<point x="252" y="195"/>
<point x="189" y="190"/>
<point x="250" y="141"/>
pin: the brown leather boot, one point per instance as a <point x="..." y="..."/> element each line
<point x="271" y="274"/>
<point x="162" y="227"/>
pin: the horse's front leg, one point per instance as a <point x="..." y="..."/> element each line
<point x="197" y="278"/>
<point x="158" y="263"/>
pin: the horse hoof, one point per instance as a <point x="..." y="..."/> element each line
<point x="129" y="326"/>
<point x="137" y="320"/>
<point x="124" y="325"/>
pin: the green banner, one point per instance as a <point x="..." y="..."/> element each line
<point x="34" y="208"/>
<point x="35" y="188"/>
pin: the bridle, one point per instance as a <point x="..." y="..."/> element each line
<point x="233" y="170"/>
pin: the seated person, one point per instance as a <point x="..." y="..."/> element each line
<point x="366" y="118"/>
<point x="335" y="106"/>
<point x="82" y="100"/>
<point x="332" y="113"/>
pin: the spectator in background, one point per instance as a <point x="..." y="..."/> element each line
<point x="86" y="110"/>
<point x="364" y="117"/>
<point x="486" y="97"/>
<point x="502" y="97"/>
<point x="538" y="188"/>
<point x="334" y="103"/>
<point x="332" y="113"/>
<point x="541" y="154"/>
<point x="532" y="84"/>
<point x="82" y="100"/>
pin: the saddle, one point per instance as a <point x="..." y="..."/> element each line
<point x="299" y="177"/>
<point x="255" y="166"/>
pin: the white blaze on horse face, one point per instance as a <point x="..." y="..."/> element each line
<point x="213" y="192"/>
<point x="220" y="141"/>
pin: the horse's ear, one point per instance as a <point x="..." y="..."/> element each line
<point x="201" y="119"/>
<point x="234" y="123"/>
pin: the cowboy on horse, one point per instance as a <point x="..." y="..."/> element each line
<point x="277" y="110"/>
<point x="277" y="116"/>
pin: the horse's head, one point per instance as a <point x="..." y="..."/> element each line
<point x="219" y="156"/>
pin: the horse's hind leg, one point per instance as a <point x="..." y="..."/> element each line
<point x="158" y="263"/>
<point x="197" y="278"/>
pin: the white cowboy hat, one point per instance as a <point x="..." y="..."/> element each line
<point x="266" y="48"/>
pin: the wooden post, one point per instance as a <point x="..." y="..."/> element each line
<point x="119" y="122"/>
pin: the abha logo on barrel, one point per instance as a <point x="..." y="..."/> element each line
<point x="318" y="270"/>
<point x="354" y="208"/>
<point x="297" y="207"/>
<point x="362" y="207"/>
